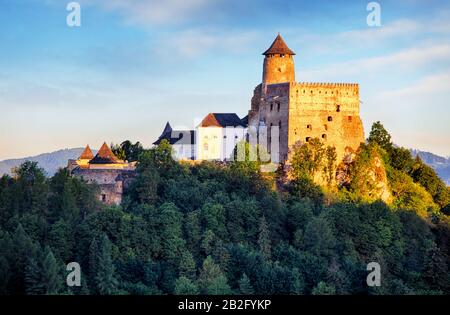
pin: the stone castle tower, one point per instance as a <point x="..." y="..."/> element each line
<point x="302" y="111"/>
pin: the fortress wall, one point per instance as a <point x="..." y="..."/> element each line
<point x="274" y="108"/>
<point x="98" y="176"/>
<point x="327" y="111"/>
<point x="111" y="182"/>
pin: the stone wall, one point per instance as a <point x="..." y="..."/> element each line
<point x="278" y="69"/>
<point x="302" y="111"/>
<point x="327" y="111"/>
<point x="111" y="182"/>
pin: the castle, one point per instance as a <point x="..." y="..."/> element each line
<point x="302" y="111"/>
<point x="110" y="174"/>
<point x="283" y="113"/>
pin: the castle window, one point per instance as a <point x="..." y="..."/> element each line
<point x="103" y="198"/>
<point x="309" y="127"/>
<point x="311" y="91"/>
<point x="349" y="118"/>
<point x="324" y="136"/>
<point x="338" y="108"/>
<point x="271" y="106"/>
<point x="330" y="118"/>
<point x="307" y="139"/>
<point x="278" y="106"/>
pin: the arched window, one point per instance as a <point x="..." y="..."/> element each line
<point x="330" y="118"/>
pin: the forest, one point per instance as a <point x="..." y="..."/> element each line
<point x="228" y="228"/>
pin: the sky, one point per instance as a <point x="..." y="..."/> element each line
<point x="133" y="65"/>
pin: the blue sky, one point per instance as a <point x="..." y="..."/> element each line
<point x="133" y="65"/>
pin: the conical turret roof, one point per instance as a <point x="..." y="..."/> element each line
<point x="104" y="156"/>
<point x="87" y="154"/>
<point x="279" y="47"/>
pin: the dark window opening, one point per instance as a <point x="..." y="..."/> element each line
<point x="271" y="106"/>
<point x="324" y="136"/>
<point x="349" y="118"/>
<point x="278" y="106"/>
<point x="330" y="118"/>
<point x="338" y="108"/>
<point x="309" y="127"/>
<point x="307" y="139"/>
<point x="103" y="198"/>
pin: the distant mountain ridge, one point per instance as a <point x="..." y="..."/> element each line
<point x="52" y="161"/>
<point x="440" y="164"/>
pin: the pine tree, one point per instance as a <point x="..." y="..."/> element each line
<point x="380" y="136"/>
<point x="219" y="286"/>
<point x="51" y="279"/>
<point x="94" y="252"/>
<point x="245" y="286"/>
<point x="323" y="289"/>
<point x="22" y="250"/>
<point x="211" y="279"/>
<point x="184" y="286"/>
<point x="106" y="282"/>
<point x="264" y="239"/>
<point x="187" y="265"/>
<point x="298" y="285"/>
<point x="33" y="277"/>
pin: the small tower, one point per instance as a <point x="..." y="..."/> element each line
<point x="278" y="63"/>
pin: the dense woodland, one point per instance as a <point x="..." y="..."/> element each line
<point x="227" y="228"/>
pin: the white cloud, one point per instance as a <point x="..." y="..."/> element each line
<point x="424" y="88"/>
<point x="404" y="60"/>
<point x="196" y="42"/>
<point x="149" y="12"/>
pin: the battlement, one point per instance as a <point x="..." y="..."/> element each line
<point x="327" y="85"/>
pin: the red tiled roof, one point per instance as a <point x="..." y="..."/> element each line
<point x="278" y="47"/>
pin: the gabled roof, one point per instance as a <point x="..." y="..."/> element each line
<point x="174" y="136"/>
<point x="105" y="156"/>
<point x="245" y="121"/>
<point x="167" y="130"/>
<point x="87" y="154"/>
<point x="279" y="47"/>
<point x="221" y="120"/>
